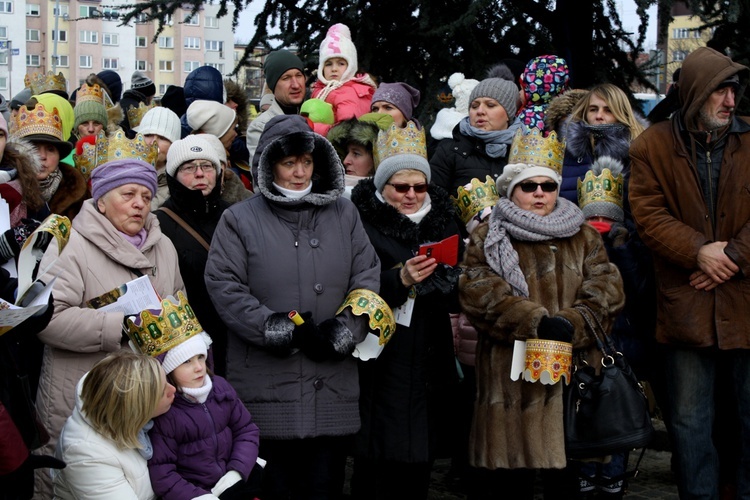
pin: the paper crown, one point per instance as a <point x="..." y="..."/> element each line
<point x="115" y="147"/>
<point x="534" y="149"/>
<point x="478" y="196"/>
<point x="38" y="121"/>
<point x="40" y="82"/>
<point x="135" y="114"/>
<point x="602" y="184"/>
<point x="90" y="93"/>
<point x="154" y="332"/>
<point x="396" y="141"/>
<point x="363" y="301"/>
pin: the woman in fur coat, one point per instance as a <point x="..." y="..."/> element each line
<point x="525" y="269"/>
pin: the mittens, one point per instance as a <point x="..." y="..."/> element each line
<point x="329" y="340"/>
<point x="278" y="334"/>
<point x="318" y="111"/>
<point x="555" y="328"/>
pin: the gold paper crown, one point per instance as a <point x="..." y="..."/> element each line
<point x="38" y="121"/>
<point x="396" y="141"/>
<point x="363" y="301"/>
<point x="90" y="93"/>
<point x="606" y="187"/>
<point x="115" y="147"/>
<point x="535" y="149"/>
<point x="476" y="198"/>
<point x="135" y="114"/>
<point x="40" y="82"/>
<point x="156" y="331"/>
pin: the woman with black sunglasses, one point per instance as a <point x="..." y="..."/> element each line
<point x="407" y="394"/>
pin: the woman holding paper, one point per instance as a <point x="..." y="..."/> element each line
<point x="407" y="393"/>
<point x="114" y="240"/>
<point x="524" y="270"/>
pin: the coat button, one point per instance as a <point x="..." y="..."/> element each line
<point x="314" y="242"/>
<point x="318" y="288"/>
<point x="318" y="384"/>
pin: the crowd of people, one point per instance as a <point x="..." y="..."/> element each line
<point x="278" y="244"/>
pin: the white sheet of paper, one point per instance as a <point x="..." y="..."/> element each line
<point x="404" y="311"/>
<point x="518" y="363"/>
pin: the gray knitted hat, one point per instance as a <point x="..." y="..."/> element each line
<point x="396" y="163"/>
<point x="503" y="91"/>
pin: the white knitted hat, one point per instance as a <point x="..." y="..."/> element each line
<point x="192" y="147"/>
<point x="210" y="117"/>
<point x="461" y="88"/>
<point x="160" y="121"/>
<point x="186" y="350"/>
<point x="219" y="148"/>
<point x="338" y="43"/>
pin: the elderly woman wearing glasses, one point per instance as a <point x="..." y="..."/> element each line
<point x="195" y="203"/>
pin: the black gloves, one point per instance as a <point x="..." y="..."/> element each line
<point x="329" y="340"/>
<point x="443" y="279"/>
<point x="555" y="328"/>
<point x="618" y="235"/>
<point x="12" y="239"/>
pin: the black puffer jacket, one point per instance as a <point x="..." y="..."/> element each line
<point x="202" y="84"/>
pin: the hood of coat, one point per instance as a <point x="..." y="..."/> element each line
<point x="560" y="107"/>
<point x="238" y="95"/>
<point x="609" y="140"/>
<point x="21" y="155"/>
<point x="701" y="74"/>
<point x="280" y="139"/>
<point x="205" y="83"/>
<point x="389" y="221"/>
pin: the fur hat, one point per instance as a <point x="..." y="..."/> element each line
<point x="160" y="121"/>
<point x="403" y="96"/>
<point x="192" y="147"/>
<point x="114" y="174"/>
<point x="338" y="43"/>
<point x="279" y="62"/>
<point x="210" y="117"/>
<point x="89" y="111"/>
<point x="400" y="149"/>
<point x="560" y="107"/>
<point x="362" y="133"/>
<point x="503" y="91"/>
<point x="113" y="82"/>
<point x="142" y="84"/>
<point x="183" y="351"/>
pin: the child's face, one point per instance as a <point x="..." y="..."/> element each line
<point x="334" y="68"/>
<point x="191" y="373"/>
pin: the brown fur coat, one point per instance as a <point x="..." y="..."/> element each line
<point x="520" y="424"/>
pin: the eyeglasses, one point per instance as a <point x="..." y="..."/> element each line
<point x="530" y="187"/>
<point x="404" y="188"/>
<point x="191" y="168"/>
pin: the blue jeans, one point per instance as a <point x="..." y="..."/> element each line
<point x="691" y="378"/>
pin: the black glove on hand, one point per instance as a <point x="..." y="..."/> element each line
<point x="279" y="330"/>
<point x="618" y="235"/>
<point x="303" y="332"/>
<point x="330" y="341"/>
<point x="12" y="239"/>
<point x="443" y="279"/>
<point x="555" y="328"/>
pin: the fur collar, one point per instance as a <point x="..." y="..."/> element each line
<point x="71" y="192"/>
<point x="21" y="155"/>
<point x="614" y="141"/>
<point x="390" y="222"/>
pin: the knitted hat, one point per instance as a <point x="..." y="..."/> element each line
<point x="89" y="111"/>
<point x="216" y="144"/>
<point x="403" y="96"/>
<point x="160" y="121"/>
<point x="544" y="78"/>
<point x="338" y="43"/>
<point x="400" y="149"/>
<point x="192" y="147"/>
<point x="174" y="99"/>
<point x="461" y="88"/>
<point x="210" y="117"/>
<point x="194" y="346"/>
<point x="503" y="91"/>
<point x="63" y="107"/>
<point x="142" y="84"/>
<point x="266" y="99"/>
<point x="279" y="62"/>
<point x="114" y="174"/>
<point x="601" y="190"/>
<point x="20" y="99"/>
<point x="113" y="82"/>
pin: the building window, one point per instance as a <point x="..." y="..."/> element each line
<point x="33" y="60"/>
<point x="166" y="42"/>
<point x="191" y="65"/>
<point x="63" y="61"/>
<point x="4" y="58"/>
<point x="142" y="17"/>
<point x="140" y="65"/>
<point x="166" y="65"/>
<point x="32" y="9"/>
<point x="218" y="66"/>
<point x="214" y="45"/>
<point x="60" y="35"/>
<point x="109" y="63"/>
<point x="85" y="61"/>
<point x="163" y="88"/>
<point x="6" y="7"/>
<point x="211" y="22"/>
<point x="192" y="42"/>
<point x="32" y="35"/>
<point x="110" y="39"/>
<point x="681" y="33"/>
<point x="89" y="37"/>
<point x="191" y="20"/>
<point x="679" y="55"/>
<point x="3" y="83"/>
<point x="168" y="20"/>
<point x="141" y="41"/>
<point x="3" y="32"/>
<point x="110" y="14"/>
<point x="88" y="11"/>
<point x="64" y="11"/>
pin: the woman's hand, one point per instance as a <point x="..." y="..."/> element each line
<point x="417" y="269"/>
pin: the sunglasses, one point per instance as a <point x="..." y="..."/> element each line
<point x="404" y="188"/>
<point x="530" y="187"/>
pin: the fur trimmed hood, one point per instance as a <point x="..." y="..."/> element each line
<point x="560" y="107"/>
<point x="21" y="155"/>
<point x="609" y="140"/>
<point x="362" y="133"/>
<point x="392" y="223"/>
<point x="283" y="137"/>
<point x="236" y="94"/>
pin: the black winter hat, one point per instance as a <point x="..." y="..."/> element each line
<point x="113" y="82"/>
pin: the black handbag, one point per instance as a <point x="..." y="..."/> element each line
<point x="604" y="413"/>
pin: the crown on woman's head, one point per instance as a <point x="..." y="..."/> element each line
<point x="478" y="196"/>
<point x="135" y="114"/>
<point x="41" y="82"/>
<point x="155" y="332"/>
<point x="535" y="149"/>
<point x="396" y="141"/>
<point x="90" y="93"/>
<point x="115" y="147"/>
<point x="38" y="121"/>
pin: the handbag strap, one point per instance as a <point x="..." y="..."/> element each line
<point x="185" y="226"/>
<point x="603" y="341"/>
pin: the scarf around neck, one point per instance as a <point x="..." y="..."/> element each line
<point x="50" y="184"/>
<point x="496" y="141"/>
<point x="508" y="220"/>
<point x="200" y="394"/>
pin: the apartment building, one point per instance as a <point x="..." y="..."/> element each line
<point x="13" y="33"/>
